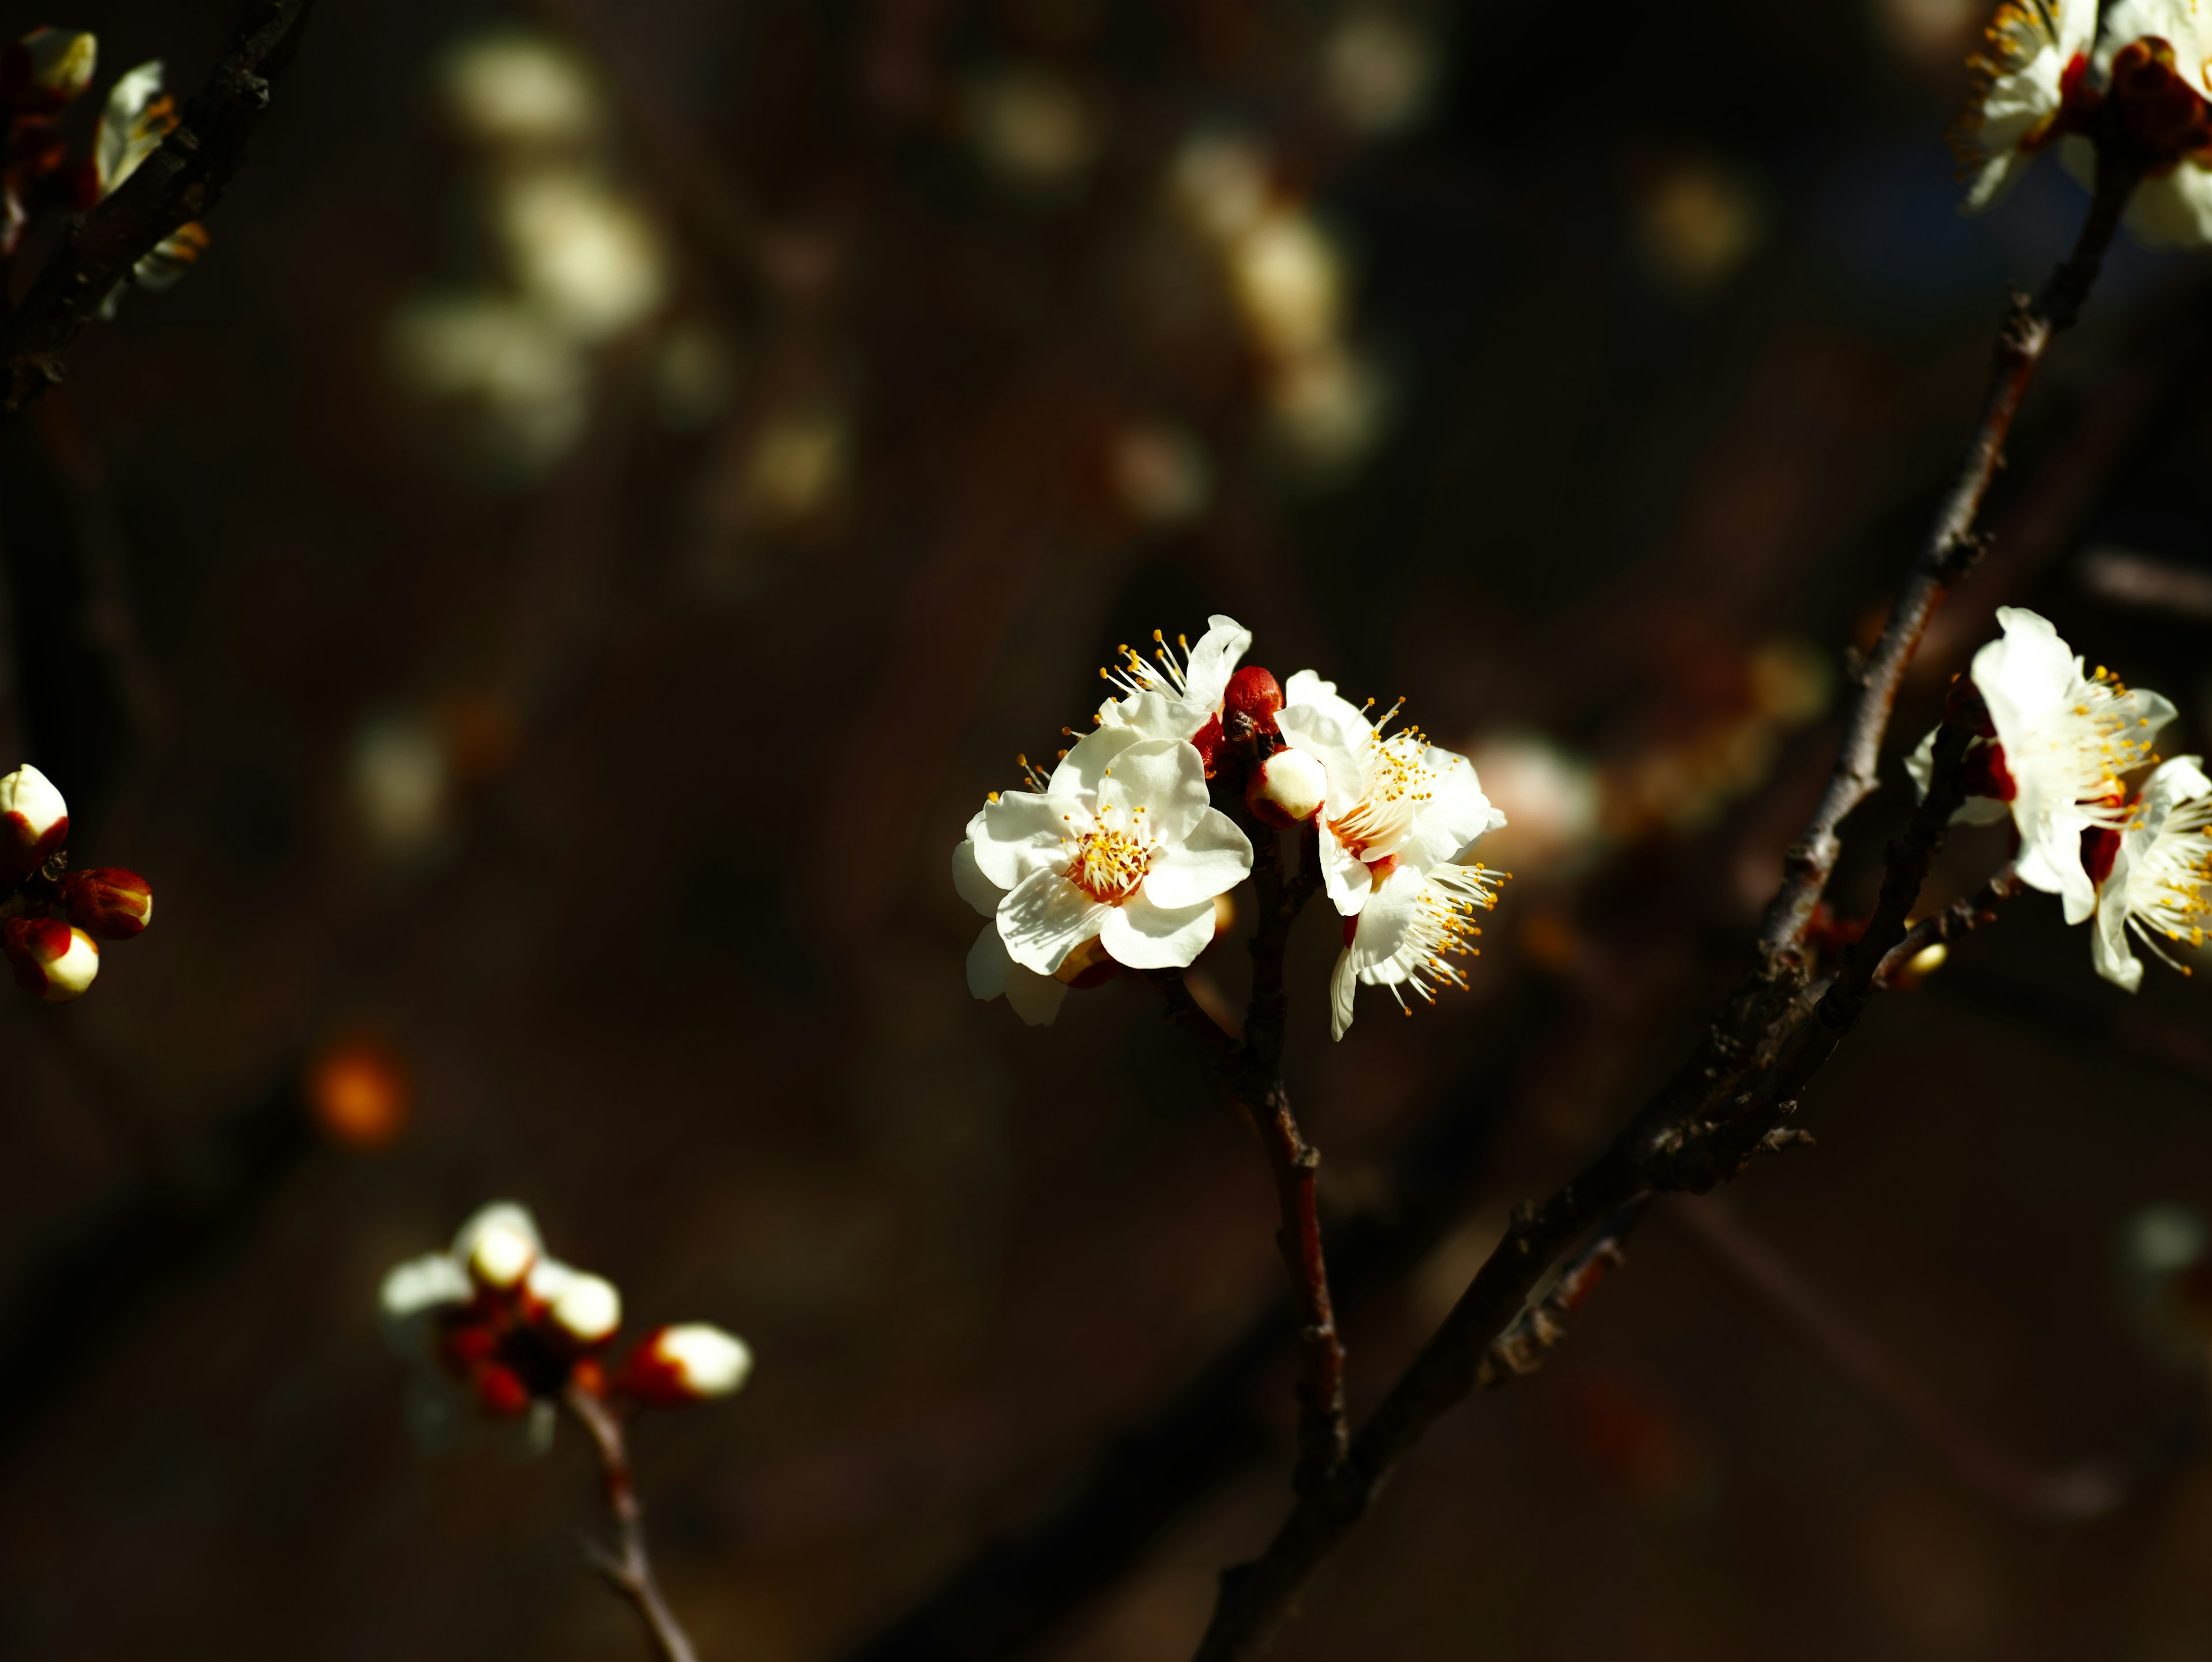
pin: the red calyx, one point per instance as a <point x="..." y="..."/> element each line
<point x="107" y="902"/>
<point x="1207" y="743"/>
<point x="31" y="944"/>
<point x="2161" y="112"/>
<point x="647" y="1376"/>
<point x="1250" y="703"/>
<point x="2100" y="846"/>
<point x="501" y="1392"/>
<point x="1983" y="772"/>
<point x="22" y="850"/>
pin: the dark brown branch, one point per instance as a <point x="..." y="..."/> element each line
<point x="179" y="183"/>
<point x="1520" y="1350"/>
<point x="627" y="1569"/>
<point x="2074" y="1494"/>
<point x="1705" y="1124"/>
<point x="1952" y="547"/>
<point x="1251" y="1070"/>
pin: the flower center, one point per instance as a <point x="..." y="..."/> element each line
<point x="1109" y="864"/>
<point x="1398" y="780"/>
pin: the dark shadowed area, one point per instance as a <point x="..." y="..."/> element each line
<point x="541" y="599"/>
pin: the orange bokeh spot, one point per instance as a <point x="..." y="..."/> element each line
<point x="358" y="1092"/>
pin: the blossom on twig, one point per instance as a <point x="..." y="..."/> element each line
<point x="51" y="913"/>
<point x="1181" y="692"/>
<point x="1399" y="819"/>
<point x="498" y="1329"/>
<point x="1121" y="846"/>
<point x="2161" y="866"/>
<point x="2031" y="76"/>
<point x="2061" y="741"/>
<point x="991" y="972"/>
<point x="2134" y="86"/>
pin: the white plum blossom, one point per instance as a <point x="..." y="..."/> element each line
<point x="1180" y="690"/>
<point x="1121" y="846"/>
<point x="2065" y="737"/>
<point x="1399" y="820"/>
<point x="2160" y="871"/>
<point x="2038" y="51"/>
<point x="991" y="971"/>
<point x="2154" y="60"/>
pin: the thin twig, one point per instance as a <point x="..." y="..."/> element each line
<point x="627" y="1569"/>
<point x="179" y="183"/>
<point x="1955" y="922"/>
<point x="1729" y="1102"/>
<point x="2074" y="1494"/>
<point x="1252" y="1070"/>
<point x="1520" y="1350"/>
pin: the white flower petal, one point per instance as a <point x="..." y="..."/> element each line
<point x="1455" y="815"/>
<point x="1345" y="881"/>
<point x="1214" y="858"/>
<point x="970" y="882"/>
<point x="1045" y="918"/>
<point x="1213" y="660"/>
<point x="987" y="963"/>
<point x="1082" y="770"/>
<point x="1035" y="998"/>
<point x="1343" y="986"/>
<point x="419" y="1288"/>
<point x="1377" y="947"/>
<point x="1164" y="778"/>
<point x="1145" y="936"/>
<point x="1019" y="835"/>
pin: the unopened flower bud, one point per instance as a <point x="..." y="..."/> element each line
<point x="688" y="1363"/>
<point x="1286" y="790"/>
<point x="33" y="822"/>
<point x="587" y="1310"/>
<point x="47" y="67"/>
<point x="108" y="903"/>
<point x="50" y="958"/>
<point x="1251" y="702"/>
<point x="499" y="1245"/>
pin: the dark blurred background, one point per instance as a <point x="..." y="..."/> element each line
<point x="541" y="600"/>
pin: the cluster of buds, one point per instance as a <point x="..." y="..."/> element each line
<point x="2129" y="83"/>
<point x="1118" y="855"/>
<point x="499" y="1331"/>
<point x="52" y="919"/>
<point x="2065" y="754"/>
<point x="40" y="77"/>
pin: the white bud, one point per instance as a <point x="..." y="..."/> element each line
<point x="589" y="1309"/>
<point x="703" y="1360"/>
<point x="1293" y="783"/>
<point x="499" y="1244"/>
<point x="34" y="820"/>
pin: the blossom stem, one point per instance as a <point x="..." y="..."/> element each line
<point x="1952" y="548"/>
<point x="176" y="185"/>
<point x="628" y="1570"/>
<point x="1704" y="1125"/>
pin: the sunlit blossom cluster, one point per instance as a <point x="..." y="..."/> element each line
<point x="41" y="75"/>
<point x="1116" y="856"/>
<point x="52" y="919"/>
<point x="497" y="1329"/>
<point x="2132" y="82"/>
<point x="2066" y="754"/>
